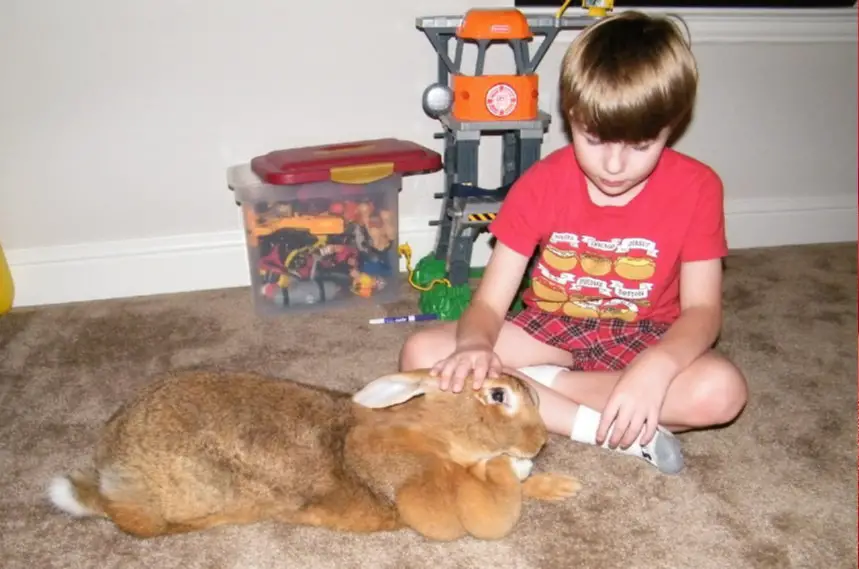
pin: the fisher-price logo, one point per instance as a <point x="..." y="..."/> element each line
<point x="501" y="100"/>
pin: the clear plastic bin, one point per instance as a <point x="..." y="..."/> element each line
<point x="321" y="223"/>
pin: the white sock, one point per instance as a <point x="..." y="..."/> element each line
<point x="663" y="450"/>
<point x="543" y="374"/>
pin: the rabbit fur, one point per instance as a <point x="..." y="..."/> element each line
<point x="196" y="450"/>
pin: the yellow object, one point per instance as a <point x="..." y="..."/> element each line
<point x="406" y="251"/>
<point x="596" y="8"/>
<point x="364" y="285"/>
<point x="562" y="9"/>
<point x="7" y="286"/>
<point x="315" y="224"/>
<point x="362" y="174"/>
<point x="321" y="241"/>
<point x="481" y="216"/>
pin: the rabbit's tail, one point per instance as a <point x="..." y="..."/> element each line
<point x="77" y="494"/>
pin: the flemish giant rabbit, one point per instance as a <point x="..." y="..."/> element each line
<point x="197" y="450"/>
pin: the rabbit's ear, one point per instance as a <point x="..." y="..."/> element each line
<point x="390" y="390"/>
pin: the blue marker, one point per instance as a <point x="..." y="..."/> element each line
<point x="409" y="318"/>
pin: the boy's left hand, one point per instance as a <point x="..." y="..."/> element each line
<point x="636" y="402"/>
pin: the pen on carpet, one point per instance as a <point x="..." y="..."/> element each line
<point x="409" y="318"/>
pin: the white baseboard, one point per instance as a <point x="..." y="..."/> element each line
<point x="142" y="267"/>
<point x="768" y="222"/>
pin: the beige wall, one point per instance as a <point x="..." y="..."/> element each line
<point x="119" y="121"/>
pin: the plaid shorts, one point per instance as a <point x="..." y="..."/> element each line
<point x="596" y="344"/>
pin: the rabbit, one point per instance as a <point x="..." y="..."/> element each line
<point x="194" y="450"/>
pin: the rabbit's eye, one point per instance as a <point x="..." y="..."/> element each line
<point x="498" y="395"/>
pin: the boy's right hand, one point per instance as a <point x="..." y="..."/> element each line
<point x="452" y="371"/>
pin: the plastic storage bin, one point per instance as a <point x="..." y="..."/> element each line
<point x="321" y="222"/>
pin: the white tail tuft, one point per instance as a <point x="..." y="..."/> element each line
<point x="63" y="495"/>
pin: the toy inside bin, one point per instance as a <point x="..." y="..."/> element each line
<point x="321" y="222"/>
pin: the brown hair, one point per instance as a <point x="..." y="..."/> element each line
<point x="627" y="77"/>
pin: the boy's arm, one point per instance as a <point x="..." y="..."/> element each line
<point x="689" y="337"/>
<point x="478" y="327"/>
<point x="481" y="322"/>
<point x="696" y="329"/>
<point x="637" y="399"/>
<point x="518" y="228"/>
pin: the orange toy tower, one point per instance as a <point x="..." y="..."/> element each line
<point x="470" y="104"/>
<point x="496" y="97"/>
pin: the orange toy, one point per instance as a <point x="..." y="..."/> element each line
<point x="490" y="97"/>
<point x="469" y="104"/>
<point x="495" y="97"/>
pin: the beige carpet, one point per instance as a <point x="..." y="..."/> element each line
<point x="775" y="490"/>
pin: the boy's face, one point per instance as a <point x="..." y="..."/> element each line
<point x="615" y="168"/>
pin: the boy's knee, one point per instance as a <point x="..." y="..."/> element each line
<point x="420" y="350"/>
<point x="721" y="392"/>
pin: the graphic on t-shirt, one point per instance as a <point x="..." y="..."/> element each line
<point x="585" y="277"/>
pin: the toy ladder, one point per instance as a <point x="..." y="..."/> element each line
<point x="466" y="208"/>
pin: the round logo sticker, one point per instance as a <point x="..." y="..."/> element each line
<point x="501" y="100"/>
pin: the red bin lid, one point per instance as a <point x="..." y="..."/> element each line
<point x="364" y="160"/>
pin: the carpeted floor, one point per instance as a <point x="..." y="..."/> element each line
<point x="775" y="490"/>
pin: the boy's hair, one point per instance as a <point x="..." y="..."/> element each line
<point x="627" y="77"/>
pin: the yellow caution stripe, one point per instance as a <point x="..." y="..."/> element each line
<point x="481" y="216"/>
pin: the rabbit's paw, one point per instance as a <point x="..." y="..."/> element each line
<point x="550" y="486"/>
<point x="522" y="467"/>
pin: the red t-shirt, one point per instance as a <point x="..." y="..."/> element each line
<point x="612" y="262"/>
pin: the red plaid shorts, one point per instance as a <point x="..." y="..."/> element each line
<point x="596" y="344"/>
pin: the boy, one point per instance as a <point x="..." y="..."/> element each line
<point x="625" y="297"/>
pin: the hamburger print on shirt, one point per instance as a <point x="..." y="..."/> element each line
<point x="614" y="263"/>
<point x="584" y="277"/>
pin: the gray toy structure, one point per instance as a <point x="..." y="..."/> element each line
<point x="466" y="208"/>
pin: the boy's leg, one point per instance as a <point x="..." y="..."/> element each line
<point x="711" y="392"/>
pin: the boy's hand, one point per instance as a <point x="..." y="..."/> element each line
<point x="636" y="403"/>
<point x="478" y="362"/>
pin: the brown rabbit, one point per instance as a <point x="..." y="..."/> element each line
<point x="197" y="450"/>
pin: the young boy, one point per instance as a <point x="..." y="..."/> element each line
<point x="625" y="297"/>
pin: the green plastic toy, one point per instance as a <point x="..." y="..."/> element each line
<point x="438" y="295"/>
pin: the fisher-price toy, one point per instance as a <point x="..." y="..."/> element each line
<point x="470" y="104"/>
